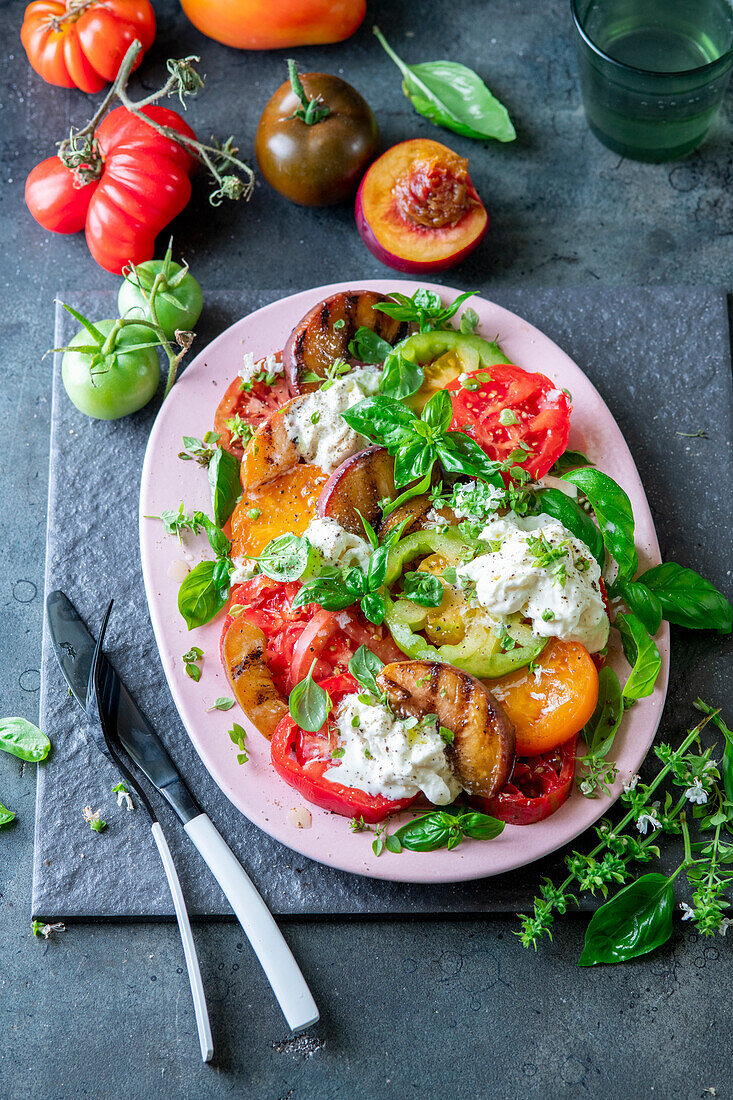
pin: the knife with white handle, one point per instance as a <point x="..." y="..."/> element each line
<point x="276" y="959"/>
<point x="131" y="732"/>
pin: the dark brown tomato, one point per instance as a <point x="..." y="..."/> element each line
<point x="321" y="163"/>
<point x="252" y="406"/>
<point x="324" y="334"/>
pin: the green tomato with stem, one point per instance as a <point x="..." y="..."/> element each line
<point x="110" y="369"/>
<point x="176" y="295"/>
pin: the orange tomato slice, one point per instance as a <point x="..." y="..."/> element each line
<point x="551" y="706"/>
<point x="285" y="505"/>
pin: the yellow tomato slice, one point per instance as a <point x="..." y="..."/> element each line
<point x="283" y="506"/>
<point x="552" y="705"/>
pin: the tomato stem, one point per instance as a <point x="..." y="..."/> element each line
<point x="80" y="151"/>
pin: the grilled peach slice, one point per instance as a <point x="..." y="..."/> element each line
<point x="326" y="330"/>
<point x="356" y="486"/>
<point x="243" y="652"/>
<point x="270" y="452"/>
<point x="482" y="752"/>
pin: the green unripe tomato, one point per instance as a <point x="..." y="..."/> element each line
<point x="114" y="385"/>
<point x="178" y="300"/>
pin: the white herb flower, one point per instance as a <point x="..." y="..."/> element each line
<point x="631" y="785"/>
<point x="648" y="819"/>
<point x="725" y="925"/>
<point x="696" y="793"/>
<point x="124" y="799"/>
<point x="687" y="911"/>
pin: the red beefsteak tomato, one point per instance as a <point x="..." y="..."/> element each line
<point x="143" y="183"/>
<point x="81" y="43"/>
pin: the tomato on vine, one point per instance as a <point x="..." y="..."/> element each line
<point x="81" y="43"/>
<point x="177" y="296"/>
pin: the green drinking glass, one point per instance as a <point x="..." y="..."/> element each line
<point x="653" y="72"/>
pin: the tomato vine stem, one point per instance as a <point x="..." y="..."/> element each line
<point x="80" y="150"/>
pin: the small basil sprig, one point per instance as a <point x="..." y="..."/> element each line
<point x="599" y="733"/>
<point x="561" y="507"/>
<point x="368" y="347"/>
<point x="641" y="653"/>
<point x="309" y="703"/>
<point x="425" y="308"/>
<point x="442" y="829"/>
<point x="224" y="484"/>
<point x="365" y="666"/>
<point x="6" y="816"/>
<point x="615" y="517"/>
<point x="423" y="589"/>
<point x="21" y="738"/>
<point x="453" y="96"/>
<point x="417" y="443"/>
<point x="199" y="450"/>
<point x="634" y="922"/>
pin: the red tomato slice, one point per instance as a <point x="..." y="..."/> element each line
<point x="298" y="636"/>
<point x="254" y="406"/>
<point x="542" y="413"/>
<point x="539" y="785"/>
<point x="302" y="759"/>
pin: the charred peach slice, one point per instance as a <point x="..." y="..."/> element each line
<point x="417" y="209"/>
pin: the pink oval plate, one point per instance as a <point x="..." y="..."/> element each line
<point x="254" y="788"/>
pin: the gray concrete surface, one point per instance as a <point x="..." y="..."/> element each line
<point x="431" y="1009"/>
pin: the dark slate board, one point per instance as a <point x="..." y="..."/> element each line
<point x="660" y="357"/>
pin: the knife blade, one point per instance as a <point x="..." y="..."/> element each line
<point x="74" y="647"/>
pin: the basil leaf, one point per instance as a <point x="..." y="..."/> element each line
<point x="415" y="459"/>
<point x="6" y="816"/>
<point x="641" y="653"/>
<point x="569" y="460"/>
<point x="365" y="666"/>
<point x="400" y="377"/>
<point x="614" y="514"/>
<point x="223" y="569"/>
<point x="218" y="541"/>
<point x="726" y="771"/>
<point x="21" y="738"/>
<point x="222" y="703"/>
<point x="309" y="704"/>
<point x="688" y="599"/>
<point x="329" y="592"/>
<point x="425" y="308"/>
<point x="415" y="490"/>
<point x="480" y="826"/>
<point x="644" y="603"/>
<point x="285" y="558"/>
<point x="378" y="567"/>
<point x="438" y="411"/>
<point x="600" y="729"/>
<point x="224" y="484"/>
<point x="200" y="597"/>
<point x="634" y="922"/>
<point x="469" y="321"/>
<point x="382" y="419"/>
<point x="425" y="834"/>
<point x="555" y="503"/>
<point x="374" y="608"/>
<point x="460" y="454"/>
<point x="423" y="589"/>
<point x="453" y="96"/>
<point x="368" y="347"/>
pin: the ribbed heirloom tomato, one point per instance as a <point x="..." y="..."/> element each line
<point x="142" y="184"/>
<point x="81" y="43"/>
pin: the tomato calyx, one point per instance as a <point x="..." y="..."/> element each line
<point x="311" y="110"/>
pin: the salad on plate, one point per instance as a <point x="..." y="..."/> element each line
<point x="417" y="579"/>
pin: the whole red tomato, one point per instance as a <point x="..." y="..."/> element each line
<point x="81" y="43"/>
<point x="143" y="183"/>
